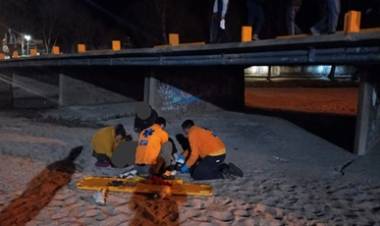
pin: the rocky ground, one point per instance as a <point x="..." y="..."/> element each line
<point x="292" y="178"/>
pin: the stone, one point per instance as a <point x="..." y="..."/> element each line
<point x="114" y="200"/>
<point x="110" y="211"/>
<point x="260" y="208"/>
<point x="242" y="213"/>
<point x="71" y="201"/>
<point x="123" y="209"/>
<point x="222" y="215"/>
<point x="91" y="213"/>
<point x="59" y="215"/>
<point x="115" y="220"/>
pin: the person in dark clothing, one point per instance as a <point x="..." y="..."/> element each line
<point x="293" y="8"/>
<point x="218" y="21"/>
<point x="256" y="16"/>
<point x="145" y="117"/>
<point x="329" y="22"/>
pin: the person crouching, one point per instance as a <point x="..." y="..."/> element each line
<point x="152" y="157"/>
<point x="207" y="154"/>
<point x="105" y="141"/>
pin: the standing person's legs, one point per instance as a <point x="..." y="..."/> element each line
<point x="290" y="20"/>
<point x="214" y="28"/>
<point x="208" y="168"/>
<point x="260" y="19"/>
<point x="321" y="25"/>
<point x="333" y="7"/>
<point x="255" y="16"/>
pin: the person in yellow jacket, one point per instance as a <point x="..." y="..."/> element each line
<point x="105" y="141"/>
<point x="207" y="154"/>
<point x="150" y="154"/>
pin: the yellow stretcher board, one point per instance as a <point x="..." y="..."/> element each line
<point x="141" y="185"/>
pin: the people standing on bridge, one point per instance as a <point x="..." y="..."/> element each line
<point x="218" y="31"/>
<point x="256" y="16"/>
<point x="329" y="22"/>
<point x="293" y="7"/>
<point x="207" y="155"/>
<point x="105" y="141"/>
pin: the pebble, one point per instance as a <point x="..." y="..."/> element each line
<point x="115" y="220"/>
<point x="222" y="216"/>
<point x="91" y="213"/>
<point x="242" y="213"/>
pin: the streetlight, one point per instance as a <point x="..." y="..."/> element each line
<point x="27" y="38"/>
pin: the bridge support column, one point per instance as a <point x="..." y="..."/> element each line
<point x="6" y="91"/>
<point x="368" y="120"/>
<point x="195" y="89"/>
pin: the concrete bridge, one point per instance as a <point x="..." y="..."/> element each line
<point x="192" y="78"/>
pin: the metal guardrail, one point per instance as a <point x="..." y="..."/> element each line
<point x="355" y="48"/>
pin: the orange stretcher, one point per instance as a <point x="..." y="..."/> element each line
<point x="144" y="186"/>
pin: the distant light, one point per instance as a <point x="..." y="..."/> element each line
<point x="257" y="70"/>
<point x="28" y="37"/>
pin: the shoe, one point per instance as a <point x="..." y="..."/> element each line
<point x="314" y="31"/>
<point x="234" y="170"/>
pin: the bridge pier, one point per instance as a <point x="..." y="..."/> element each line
<point x="195" y="89"/>
<point x="368" y="120"/>
<point x="6" y="91"/>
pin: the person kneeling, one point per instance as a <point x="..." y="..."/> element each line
<point x="105" y="141"/>
<point x="153" y="151"/>
<point x="207" y="155"/>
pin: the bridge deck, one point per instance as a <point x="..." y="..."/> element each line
<point x="356" y="48"/>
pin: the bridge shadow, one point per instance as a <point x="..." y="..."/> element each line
<point x="40" y="191"/>
<point x="337" y="129"/>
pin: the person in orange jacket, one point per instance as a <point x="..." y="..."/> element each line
<point x="152" y="156"/>
<point x="207" y="154"/>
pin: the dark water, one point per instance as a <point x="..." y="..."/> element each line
<point x="337" y="129"/>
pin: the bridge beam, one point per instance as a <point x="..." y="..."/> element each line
<point x="368" y="121"/>
<point x="180" y="90"/>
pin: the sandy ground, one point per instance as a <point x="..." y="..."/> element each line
<point x="341" y="101"/>
<point x="291" y="178"/>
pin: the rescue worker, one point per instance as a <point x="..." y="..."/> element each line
<point x="105" y="141"/>
<point x="207" y="153"/>
<point x="151" y="156"/>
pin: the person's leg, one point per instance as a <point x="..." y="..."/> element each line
<point x="214" y="28"/>
<point x="290" y="20"/>
<point x="333" y="7"/>
<point x="208" y="168"/>
<point x="251" y="13"/>
<point x="260" y="18"/>
<point x="102" y="160"/>
<point x="321" y="25"/>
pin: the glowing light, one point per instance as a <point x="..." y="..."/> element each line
<point x="28" y="37"/>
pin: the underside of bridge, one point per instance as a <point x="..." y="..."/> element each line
<point x="190" y="79"/>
